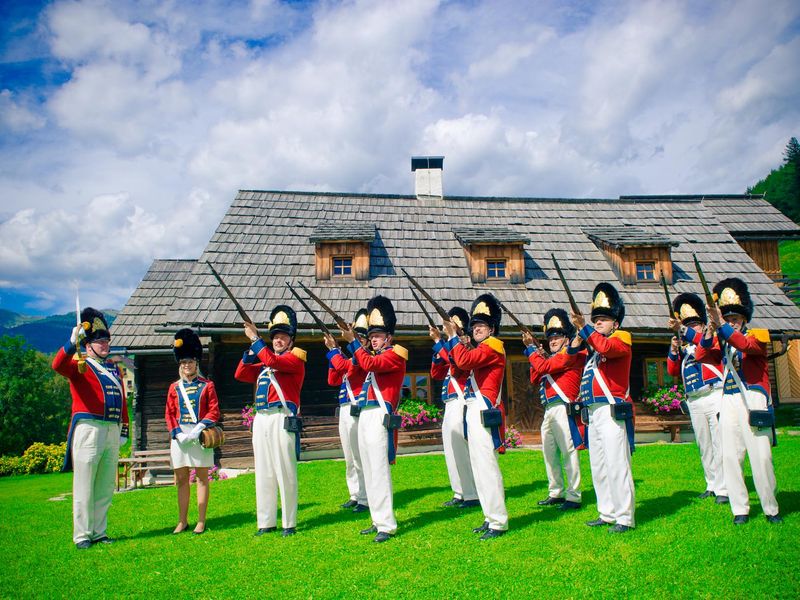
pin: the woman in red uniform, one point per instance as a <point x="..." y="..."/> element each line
<point x="192" y="406"/>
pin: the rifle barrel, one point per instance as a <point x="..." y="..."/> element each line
<point x="307" y="308"/>
<point x="340" y="322"/>
<point x="239" y="308"/>
<point x="572" y="303"/>
<point x="422" y="306"/>
<point x="437" y="307"/>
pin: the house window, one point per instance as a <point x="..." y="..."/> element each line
<point x="645" y="271"/>
<point x="495" y="269"/>
<point x="655" y="374"/>
<point x="416" y="386"/>
<point x="342" y="266"/>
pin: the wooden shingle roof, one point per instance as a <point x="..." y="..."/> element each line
<point x="342" y="230"/>
<point x="489" y="235"/>
<point x="255" y="253"/>
<point x="627" y="236"/>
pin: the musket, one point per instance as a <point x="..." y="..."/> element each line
<point x="340" y="322"/>
<point x="670" y="311"/>
<point x="424" y="311"/>
<point x="239" y="307"/>
<point x="573" y="305"/>
<point x="307" y="308"/>
<point x="81" y="329"/>
<point x="709" y="297"/>
<point x="436" y="306"/>
<point x="522" y="327"/>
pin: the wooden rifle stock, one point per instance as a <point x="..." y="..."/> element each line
<point x="340" y="322"/>
<point x="424" y="311"/>
<point x="239" y="308"/>
<point x="709" y="296"/>
<point x="670" y="310"/>
<point x="307" y="308"/>
<point x="437" y="307"/>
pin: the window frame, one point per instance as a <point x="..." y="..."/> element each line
<point x="653" y="264"/>
<point x="502" y="260"/>
<point x="349" y="267"/>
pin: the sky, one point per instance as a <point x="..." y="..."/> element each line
<point x="127" y="127"/>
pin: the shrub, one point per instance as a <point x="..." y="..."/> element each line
<point x="10" y="465"/>
<point x="214" y="474"/>
<point x="416" y="412"/>
<point x="248" y="415"/>
<point x="664" y="400"/>
<point x="513" y="437"/>
<point x="43" y="458"/>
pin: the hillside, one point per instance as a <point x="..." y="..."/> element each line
<point x="45" y="334"/>
<point x="781" y="187"/>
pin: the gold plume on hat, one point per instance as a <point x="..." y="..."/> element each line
<point x="361" y="322"/>
<point x="376" y="318"/>
<point x="98" y="325"/>
<point x="482" y="309"/>
<point x="687" y="311"/>
<point x="178" y="343"/>
<point x="601" y="301"/>
<point x="555" y="323"/>
<point x="281" y="318"/>
<point x="728" y="297"/>
<point x="457" y="322"/>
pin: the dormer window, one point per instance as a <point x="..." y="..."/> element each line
<point x="341" y="249"/>
<point x="635" y="254"/>
<point x="495" y="253"/>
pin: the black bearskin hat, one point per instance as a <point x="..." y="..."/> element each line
<point x="187" y="345"/>
<point x="459" y="317"/>
<point x="556" y="322"/>
<point x="380" y="315"/>
<point x="689" y="308"/>
<point x="361" y="322"/>
<point x="283" y="319"/>
<point x="606" y="302"/>
<point x="95" y="326"/>
<point x="733" y="297"/>
<point x="486" y="309"/>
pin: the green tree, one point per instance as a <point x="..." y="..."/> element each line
<point x="34" y="400"/>
<point x="781" y="187"/>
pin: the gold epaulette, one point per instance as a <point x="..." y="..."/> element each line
<point x="495" y="344"/>
<point x="400" y="351"/>
<point x="299" y="353"/>
<point x="624" y="336"/>
<point x="762" y="335"/>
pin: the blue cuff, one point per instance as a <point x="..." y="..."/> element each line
<point x="173" y="434"/>
<point x="438" y="346"/>
<point x="453" y="342"/>
<point x="672" y="356"/>
<point x="586" y="331"/>
<point x="726" y="331"/>
<point x="331" y="353"/>
<point x="529" y="350"/>
<point x="207" y="422"/>
<point x="436" y="359"/>
<point x="571" y="350"/>
<point x="69" y="348"/>
<point x="707" y="342"/>
<point x="258" y="346"/>
<point x="690" y="335"/>
<point x="249" y="358"/>
<point x="353" y="346"/>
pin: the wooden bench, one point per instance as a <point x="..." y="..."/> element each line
<point x="139" y="463"/>
<point x="672" y="427"/>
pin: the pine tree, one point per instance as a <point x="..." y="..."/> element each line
<point x="792" y="152"/>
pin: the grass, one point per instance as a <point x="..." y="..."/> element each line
<point x="789" y="252"/>
<point x="682" y="546"/>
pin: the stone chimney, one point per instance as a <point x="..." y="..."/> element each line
<point x="428" y="175"/>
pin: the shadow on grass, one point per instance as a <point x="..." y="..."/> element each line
<point x="431" y="517"/>
<point x="213" y="523"/>
<point x="655" y="508"/>
<point x="788" y="502"/>
<point x="518" y="491"/>
<point x="404" y="497"/>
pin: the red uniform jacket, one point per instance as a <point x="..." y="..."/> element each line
<point x="340" y="366"/>
<point x="695" y="374"/>
<point x="750" y="352"/>
<point x="565" y="369"/>
<point x="443" y="368"/>
<point x="92" y="398"/>
<point x="613" y="362"/>
<point x="389" y="367"/>
<point x="487" y="362"/>
<point x="206" y="409"/>
<point x="289" y="370"/>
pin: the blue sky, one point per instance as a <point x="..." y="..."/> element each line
<point x="127" y="127"/>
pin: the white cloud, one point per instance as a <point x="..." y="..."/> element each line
<point x="17" y="117"/>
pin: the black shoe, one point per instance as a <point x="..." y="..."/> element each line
<point x="264" y="530"/>
<point x="570" y="505"/>
<point x="104" y="540"/>
<point x="706" y="494"/>
<point x="598" y="523"/>
<point x="359" y="508"/>
<point x="618" y="528"/>
<point x="482" y="528"/>
<point x="469" y="503"/>
<point x="452" y="502"/>
<point x="550" y="501"/>
<point x="382" y="537"/>
<point x="83" y="545"/>
<point x="372" y="529"/>
<point x="348" y="504"/>
<point x="774" y="519"/>
<point x="740" y="519"/>
<point x="491" y="534"/>
<point x="722" y="500"/>
<point x="288" y="531"/>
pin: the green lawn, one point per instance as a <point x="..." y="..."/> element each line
<point x="682" y="547"/>
<point x="789" y="252"/>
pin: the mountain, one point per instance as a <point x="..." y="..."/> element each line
<point x="46" y="334"/>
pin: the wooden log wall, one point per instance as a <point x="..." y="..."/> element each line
<point x="324" y="253"/>
<point x="477" y="255"/>
<point x="623" y="261"/>
<point x="765" y="254"/>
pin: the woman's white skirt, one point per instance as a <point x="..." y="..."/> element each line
<point x="190" y="454"/>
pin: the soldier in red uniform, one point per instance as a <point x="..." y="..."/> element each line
<point x="349" y="376"/>
<point x="192" y="405"/>
<point x="385" y="365"/>
<point x="747" y="417"/>
<point x="98" y="428"/>
<point x="558" y="377"/>
<point x="278" y="373"/>
<point x="486" y="365"/>
<point x="454" y="383"/>
<point x="605" y="398"/>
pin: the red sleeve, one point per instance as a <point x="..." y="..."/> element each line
<point x="248" y="372"/>
<point x="472" y="358"/>
<point x="381" y="363"/>
<point x="439" y="370"/>
<point x="338" y="369"/>
<point x="64" y="365"/>
<point x="285" y="363"/>
<point x="747" y="344"/>
<point x="212" y="402"/>
<point x="674" y="365"/>
<point x="171" y="412"/>
<point x="610" y="347"/>
<point x="711" y="356"/>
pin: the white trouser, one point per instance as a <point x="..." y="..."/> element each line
<point x="373" y="442"/>
<point x="610" y="458"/>
<point x="276" y="469"/>
<point x="456" y="451"/>
<point x="485" y="468"/>
<point x="354" y="473"/>
<point x="737" y="438"/>
<point x="703" y="410"/>
<point x="557" y="439"/>
<point x="95" y="454"/>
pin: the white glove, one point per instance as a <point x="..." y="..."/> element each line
<point x="122" y="440"/>
<point x="73" y="338"/>
<point x="182" y="438"/>
<point x="195" y="433"/>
